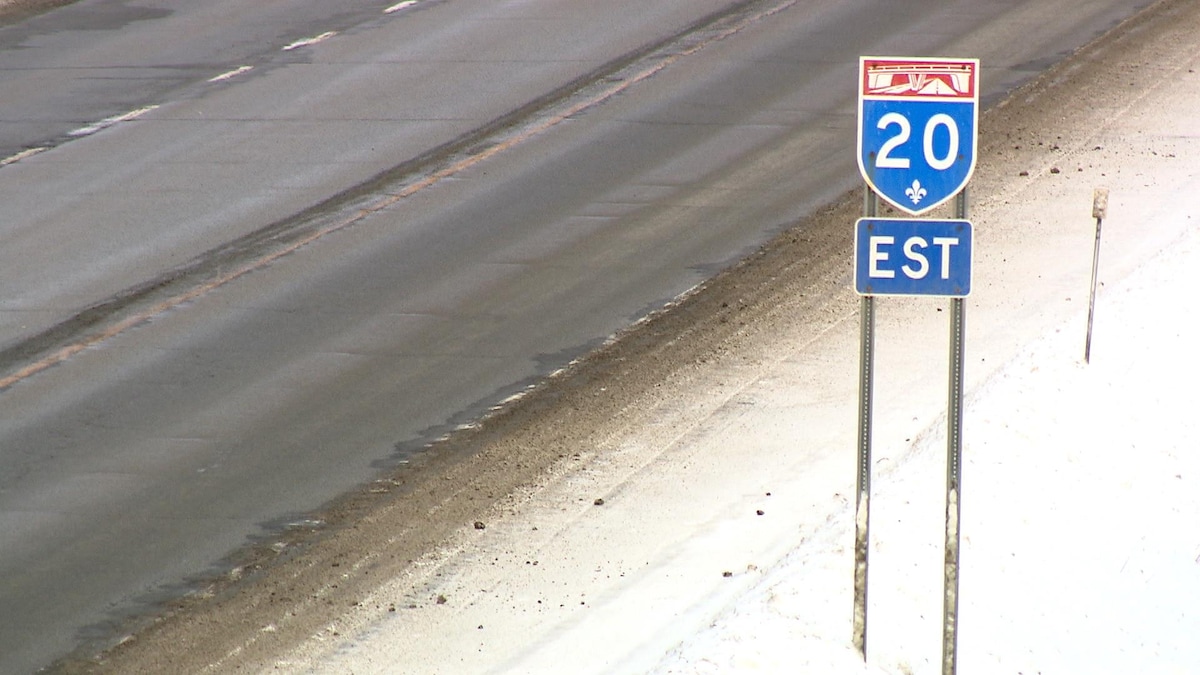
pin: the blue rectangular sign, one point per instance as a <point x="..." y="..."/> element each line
<point x="906" y="256"/>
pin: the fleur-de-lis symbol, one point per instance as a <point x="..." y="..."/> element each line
<point x="916" y="193"/>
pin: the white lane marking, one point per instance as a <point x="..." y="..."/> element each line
<point x="399" y="6"/>
<point x="22" y="155"/>
<point x="231" y="74"/>
<point x="309" y="41"/>
<point x="614" y="88"/>
<point x="108" y="122"/>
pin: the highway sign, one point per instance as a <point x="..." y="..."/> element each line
<point x="906" y="256"/>
<point x="917" y="132"/>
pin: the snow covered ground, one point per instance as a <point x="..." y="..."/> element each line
<point x="723" y="540"/>
<point x="1081" y="518"/>
<point x="1081" y="482"/>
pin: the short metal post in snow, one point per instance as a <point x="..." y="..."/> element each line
<point x="1099" y="211"/>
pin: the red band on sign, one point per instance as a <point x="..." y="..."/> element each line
<point x="912" y="78"/>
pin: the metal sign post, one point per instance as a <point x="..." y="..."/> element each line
<point x="1099" y="211"/>
<point x="917" y="138"/>
<point x="903" y="256"/>
<point x="954" y="411"/>
<point x="862" y="513"/>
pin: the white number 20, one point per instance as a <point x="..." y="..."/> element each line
<point x="885" y="160"/>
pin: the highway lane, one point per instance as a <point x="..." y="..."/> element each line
<point x="90" y="60"/>
<point x="243" y="401"/>
<point x="297" y="129"/>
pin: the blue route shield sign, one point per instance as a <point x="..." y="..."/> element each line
<point x="917" y="132"/>
<point x="913" y="256"/>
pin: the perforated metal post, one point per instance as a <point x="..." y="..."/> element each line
<point x="954" y="470"/>
<point x="862" y="513"/>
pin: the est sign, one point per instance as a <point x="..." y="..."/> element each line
<point x="917" y="128"/>
<point x="905" y="256"/>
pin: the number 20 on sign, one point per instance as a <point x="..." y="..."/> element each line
<point x="917" y="128"/>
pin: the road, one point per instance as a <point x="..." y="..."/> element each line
<point x="254" y="254"/>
